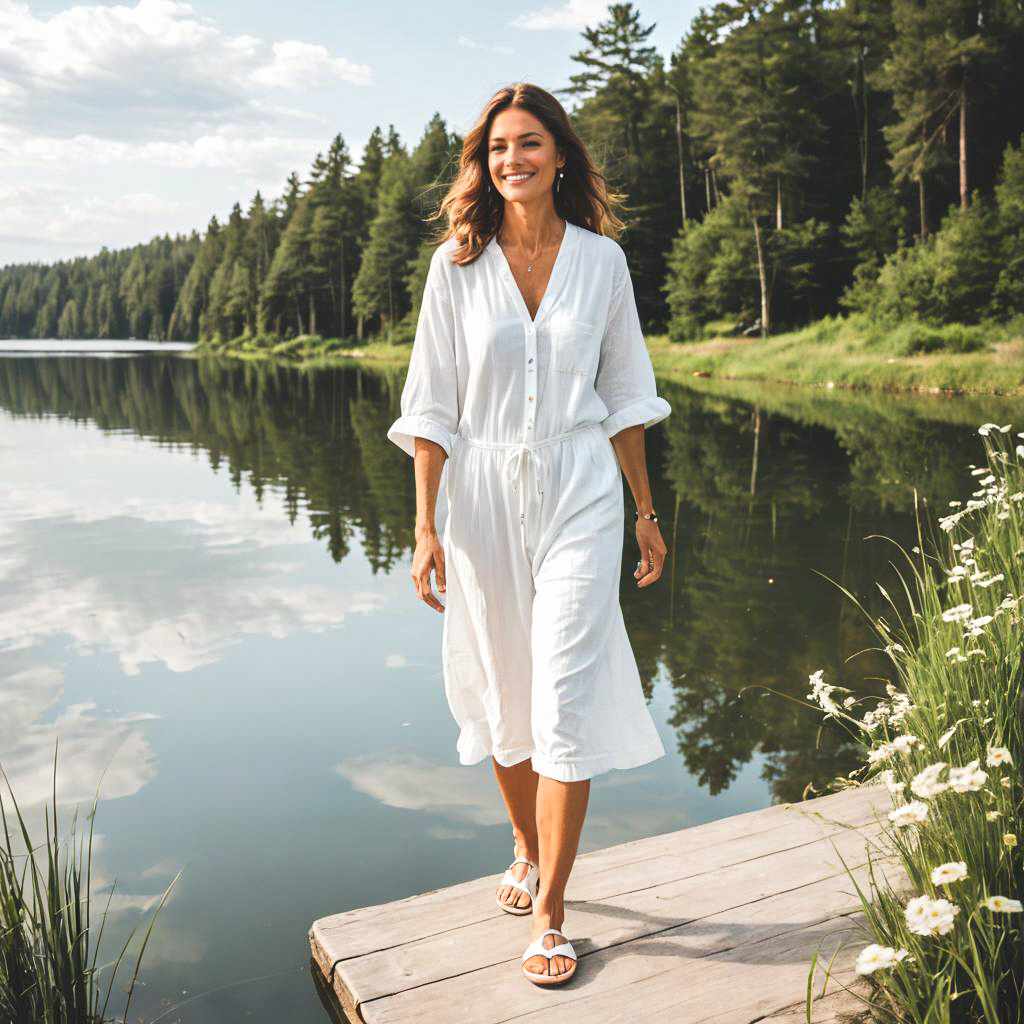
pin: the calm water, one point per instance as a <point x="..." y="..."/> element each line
<point x="204" y="592"/>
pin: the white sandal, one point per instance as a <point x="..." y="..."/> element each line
<point x="530" y="884"/>
<point x="536" y="948"/>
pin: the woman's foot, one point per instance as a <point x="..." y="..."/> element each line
<point x="540" y="964"/>
<point x="510" y="895"/>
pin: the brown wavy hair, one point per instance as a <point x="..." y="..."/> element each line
<point x="475" y="212"/>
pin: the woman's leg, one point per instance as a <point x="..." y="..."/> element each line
<point x="561" y="808"/>
<point x="518" y="785"/>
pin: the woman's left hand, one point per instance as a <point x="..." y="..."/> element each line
<point x="652" y="552"/>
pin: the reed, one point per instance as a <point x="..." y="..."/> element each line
<point x="49" y="945"/>
<point x="948" y="741"/>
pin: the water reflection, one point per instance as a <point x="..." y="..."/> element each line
<point x="204" y="591"/>
<point x="756" y="500"/>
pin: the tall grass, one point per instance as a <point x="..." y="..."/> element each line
<point x="48" y="944"/>
<point x="948" y="741"/>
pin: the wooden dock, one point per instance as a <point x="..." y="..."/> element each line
<point x="714" y="923"/>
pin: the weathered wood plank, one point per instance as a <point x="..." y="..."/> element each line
<point x="764" y="882"/>
<point x="357" y="932"/>
<point x="836" y="1008"/>
<point x="739" y="965"/>
<point x="604" y="920"/>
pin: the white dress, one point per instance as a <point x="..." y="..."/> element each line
<point x="537" y="662"/>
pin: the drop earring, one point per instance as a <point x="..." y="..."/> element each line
<point x="558" y="184"/>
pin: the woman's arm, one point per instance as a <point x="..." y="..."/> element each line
<point x="632" y="455"/>
<point x="428" y="460"/>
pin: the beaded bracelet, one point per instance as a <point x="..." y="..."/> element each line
<point x="647" y="515"/>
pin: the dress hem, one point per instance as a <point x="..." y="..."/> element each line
<point x="568" y="769"/>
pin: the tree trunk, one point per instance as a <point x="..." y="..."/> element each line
<point x="679" y="150"/>
<point x="778" y="204"/>
<point x="714" y="186"/>
<point x="707" y="187"/>
<point x="864" y="155"/>
<point x="312" y="314"/>
<point x="920" y="203"/>
<point x="391" y="306"/>
<point x="342" y="316"/>
<point x="963" y="141"/>
<point x="762" y="277"/>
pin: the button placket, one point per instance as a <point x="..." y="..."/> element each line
<point x="531" y="378"/>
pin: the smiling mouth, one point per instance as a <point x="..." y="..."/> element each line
<point x="515" y="179"/>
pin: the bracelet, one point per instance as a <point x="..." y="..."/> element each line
<point x="647" y="515"/>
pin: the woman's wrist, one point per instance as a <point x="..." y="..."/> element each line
<point x="425" y="530"/>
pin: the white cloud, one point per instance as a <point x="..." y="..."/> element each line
<point x="223" y="149"/>
<point x="158" y="66"/>
<point x="573" y="14"/>
<point x="472" y="44"/>
<point x="306" y="65"/>
<point x="55" y="209"/>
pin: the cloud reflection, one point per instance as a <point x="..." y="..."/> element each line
<point x="91" y="744"/>
<point x="411" y="782"/>
<point x="148" y="581"/>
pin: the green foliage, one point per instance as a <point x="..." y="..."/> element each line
<point x="912" y="338"/>
<point x="968" y="271"/>
<point x="712" y="274"/>
<point x="713" y="270"/>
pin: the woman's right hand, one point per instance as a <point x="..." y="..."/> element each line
<point x="429" y="554"/>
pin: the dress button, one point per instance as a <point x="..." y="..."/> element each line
<point x="530" y="360"/>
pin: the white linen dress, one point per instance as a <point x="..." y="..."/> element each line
<point x="537" y="662"/>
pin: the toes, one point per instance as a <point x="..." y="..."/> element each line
<point x="537" y="965"/>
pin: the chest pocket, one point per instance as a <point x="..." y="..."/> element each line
<point x="574" y="347"/>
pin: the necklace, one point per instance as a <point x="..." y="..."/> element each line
<point x="529" y="266"/>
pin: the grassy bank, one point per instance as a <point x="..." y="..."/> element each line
<point x="843" y="352"/>
<point x="835" y="352"/>
<point x="311" y="348"/>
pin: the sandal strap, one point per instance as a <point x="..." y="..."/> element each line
<point x="530" y="883"/>
<point x="537" y="948"/>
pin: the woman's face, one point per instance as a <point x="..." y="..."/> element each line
<point x="521" y="156"/>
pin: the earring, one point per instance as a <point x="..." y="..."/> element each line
<point x="558" y="185"/>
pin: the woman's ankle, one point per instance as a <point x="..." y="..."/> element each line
<point x="549" y="913"/>
<point x="526" y="846"/>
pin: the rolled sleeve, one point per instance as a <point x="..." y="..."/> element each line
<point x="430" y="397"/>
<point x="625" y="378"/>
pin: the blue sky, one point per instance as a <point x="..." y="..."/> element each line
<point x="122" y="121"/>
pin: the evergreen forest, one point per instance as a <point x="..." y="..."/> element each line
<point x="793" y="159"/>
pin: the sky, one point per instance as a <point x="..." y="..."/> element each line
<point x="122" y="121"/>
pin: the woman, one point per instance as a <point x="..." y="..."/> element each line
<point x="530" y="375"/>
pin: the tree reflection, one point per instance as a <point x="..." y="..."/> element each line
<point x="758" y="493"/>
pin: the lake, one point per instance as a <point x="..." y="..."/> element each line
<point x="205" y="595"/>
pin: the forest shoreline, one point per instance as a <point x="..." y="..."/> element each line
<point x="832" y="353"/>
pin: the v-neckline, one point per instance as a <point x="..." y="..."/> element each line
<point x="513" y="287"/>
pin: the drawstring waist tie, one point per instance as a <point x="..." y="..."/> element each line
<point x="519" y="453"/>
